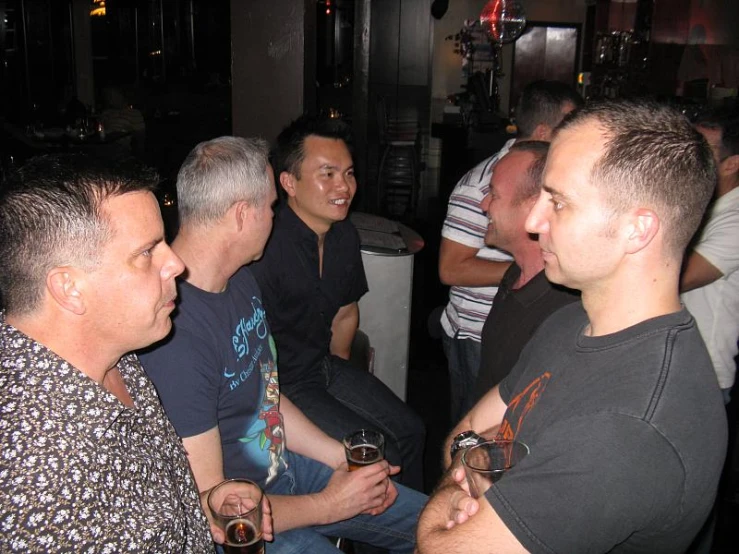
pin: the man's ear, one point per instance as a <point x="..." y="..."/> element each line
<point x="729" y="166"/>
<point x="643" y="228"/>
<point x="240" y="213"/>
<point x="542" y="132"/>
<point x="62" y="284"/>
<point x="287" y="181"/>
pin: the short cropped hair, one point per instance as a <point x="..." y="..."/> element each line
<point x="535" y="173"/>
<point x="653" y="158"/>
<point x="289" y="152"/>
<point x="541" y="102"/>
<point x="725" y="120"/>
<point x="51" y="216"/>
<point x="220" y="172"/>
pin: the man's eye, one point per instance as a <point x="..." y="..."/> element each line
<point x="556" y="205"/>
<point x="146" y="253"/>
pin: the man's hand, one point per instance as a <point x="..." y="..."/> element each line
<point x="390" y="495"/>
<point x="366" y="490"/>
<point x="217" y="533"/>
<point x="461" y="505"/>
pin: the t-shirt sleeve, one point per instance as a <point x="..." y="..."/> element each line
<point x="719" y="244"/>
<point x="358" y="283"/>
<point x="465" y="221"/>
<point x="588" y="484"/>
<point x="187" y="383"/>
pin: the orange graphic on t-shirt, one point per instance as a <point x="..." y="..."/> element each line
<point x="520" y="405"/>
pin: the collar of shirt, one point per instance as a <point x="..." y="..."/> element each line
<point x="48" y="383"/>
<point x="726" y="202"/>
<point x="290" y="222"/>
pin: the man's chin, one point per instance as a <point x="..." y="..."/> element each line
<point x="552" y="273"/>
<point x="162" y="331"/>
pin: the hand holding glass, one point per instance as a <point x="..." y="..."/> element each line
<point x="487" y="462"/>
<point x="236" y="505"/>
<point x="363" y="447"/>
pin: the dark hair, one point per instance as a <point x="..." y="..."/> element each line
<point x="655" y="158"/>
<point x="539" y="149"/>
<point x="289" y="151"/>
<point x="219" y="172"/>
<point x="51" y="216"/>
<point x="725" y="120"/>
<point x="542" y="102"/>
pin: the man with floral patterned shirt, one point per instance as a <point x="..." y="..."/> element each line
<point x="89" y="462"/>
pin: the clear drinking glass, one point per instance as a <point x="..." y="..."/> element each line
<point x="487" y="462"/>
<point x="363" y="447"/>
<point x="236" y="505"/>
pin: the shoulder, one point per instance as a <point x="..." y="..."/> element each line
<point x="346" y="231"/>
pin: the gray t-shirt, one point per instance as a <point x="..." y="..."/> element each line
<point x="627" y="434"/>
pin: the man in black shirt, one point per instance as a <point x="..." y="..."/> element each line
<point x="525" y="297"/>
<point x="311" y="278"/>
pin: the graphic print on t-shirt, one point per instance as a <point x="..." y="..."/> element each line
<point x="255" y="382"/>
<point x="520" y="406"/>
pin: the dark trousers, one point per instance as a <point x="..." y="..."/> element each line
<point x="340" y="398"/>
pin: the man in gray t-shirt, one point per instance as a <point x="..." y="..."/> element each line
<point x="615" y="397"/>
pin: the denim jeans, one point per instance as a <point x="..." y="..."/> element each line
<point x="463" y="357"/>
<point x="395" y="529"/>
<point x="340" y="398"/>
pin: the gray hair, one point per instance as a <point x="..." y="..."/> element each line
<point x="220" y="172"/>
<point x="51" y="215"/>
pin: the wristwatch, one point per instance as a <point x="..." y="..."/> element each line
<point x="464" y="440"/>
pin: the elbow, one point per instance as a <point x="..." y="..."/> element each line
<point x="446" y="275"/>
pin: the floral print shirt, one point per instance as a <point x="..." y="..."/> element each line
<point x="80" y="471"/>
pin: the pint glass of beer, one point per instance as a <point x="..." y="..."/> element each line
<point x="363" y="447"/>
<point x="236" y="505"/>
<point x="487" y="462"/>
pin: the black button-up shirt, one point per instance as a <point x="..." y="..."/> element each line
<point x="300" y="302"/>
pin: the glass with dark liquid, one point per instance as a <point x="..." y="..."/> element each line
<point x="363" y="447"/>
<point x="236" y="505"/>
<point x="243" y="538"/>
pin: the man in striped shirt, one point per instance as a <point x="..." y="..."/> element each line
<point x="472" y="269"/>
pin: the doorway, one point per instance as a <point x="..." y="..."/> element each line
<point x="545" y="51"/>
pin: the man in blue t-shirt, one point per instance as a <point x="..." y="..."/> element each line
<point x="217" y="376"/>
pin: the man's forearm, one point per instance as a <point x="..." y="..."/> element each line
<point x="343" y="329"/>
<point x="460" y="266"/>
<point x="433" y="535"/>
<point x="474" y="272"/>
<point x="303" y="437"/>
<point x="295" y="511"/>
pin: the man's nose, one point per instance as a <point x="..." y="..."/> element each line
<point x="536" y="221"/>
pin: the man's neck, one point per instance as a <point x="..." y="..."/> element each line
<point x="320" y="228"/>
<point x="208" y="263"/>
<point x="624" y="301"/>
<point x="75" y="343"/>
<point x="529" y="260"/>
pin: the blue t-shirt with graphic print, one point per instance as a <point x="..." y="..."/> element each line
<point x="217" y="369"/>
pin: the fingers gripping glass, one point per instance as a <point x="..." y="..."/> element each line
<point x="236" y="505"/>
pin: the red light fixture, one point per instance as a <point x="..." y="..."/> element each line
<point x="504" y="20"/>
